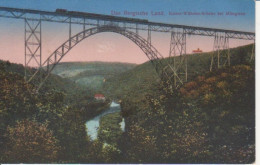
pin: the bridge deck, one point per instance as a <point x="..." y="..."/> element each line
<point x="131" y="23"/>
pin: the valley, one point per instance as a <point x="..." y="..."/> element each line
<point x="101" y="112"/>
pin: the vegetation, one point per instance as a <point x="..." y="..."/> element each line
<point x="91" y="75"/>
<point x="43" y="125"/>
<point x="140" y="80"/>
<point x="210" y="119"/>
<point x="188" y="127"/>
<point x="31" y="142"/>
<point x="109" y="130"/>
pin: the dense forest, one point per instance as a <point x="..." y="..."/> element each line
<point x="46" y="126"/>
<point x="209" y="119"/>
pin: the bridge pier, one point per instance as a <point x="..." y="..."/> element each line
<point x="84" y="24"/>
<point x="221" y="55"/>
<point x="136" y="29"/>
<point x="177" y="69"/>
<point x="252" y="57"/>
<point x="174" y="70"/>
<point x="70" y="32"/>
<point x="149" y="37"/>
<point x="33" y="44"/>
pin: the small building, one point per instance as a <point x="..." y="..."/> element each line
<point x="100" y="97"/>
<point x="197" y="51"/>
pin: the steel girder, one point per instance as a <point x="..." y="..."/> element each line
<point x="176" y="71"/>
<point x="178" y="58"/>
<point x="134" y="24"/>
<point x="220" y="56"/>
<point x="252" y="57"/>
<point x="33" y="44"/>
<point x="150" y="51"/>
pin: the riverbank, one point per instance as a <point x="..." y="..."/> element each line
<point x="108" y="120"/>
<point x="110" y="129"/>
<point x="95" y="108"/>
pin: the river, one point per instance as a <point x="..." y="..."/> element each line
<point x="93" y="124"/>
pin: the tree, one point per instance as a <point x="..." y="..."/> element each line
<point x="142" y="146"/>
<point x="30" y="142"/>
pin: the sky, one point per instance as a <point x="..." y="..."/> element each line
<point x="114" y="47"/>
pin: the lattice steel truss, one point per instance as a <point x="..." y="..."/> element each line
<point x="151" y="52"/>
<point x="252" y="57"/>
<point x="87" y="19"/>
<point x="177" y="70"/>
<point x="149" y="36"/>
<point x="221" y="55"/>
<point x="33" y="44"/>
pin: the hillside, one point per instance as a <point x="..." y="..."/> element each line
<point x="58" y="82"/>
<point x="210" y="119"/>
<point x="91" y="74"/>
<point x="142" y="79"/>
<point x="54" y="82"/>
<point x="48" y="125"/>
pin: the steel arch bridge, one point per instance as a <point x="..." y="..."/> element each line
<point x="175" y="70"/>
<point x="151" y="52"/>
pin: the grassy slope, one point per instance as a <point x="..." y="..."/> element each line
<point x="140" y="80"/>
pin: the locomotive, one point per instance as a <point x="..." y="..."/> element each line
<point x="76" y="13"/>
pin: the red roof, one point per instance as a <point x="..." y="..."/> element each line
<point x="99" y="95"/>
<point x="197" y="51"/>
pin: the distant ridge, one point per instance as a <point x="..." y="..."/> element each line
<point x="91" y="74"/>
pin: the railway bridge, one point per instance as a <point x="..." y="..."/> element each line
<point x="174" y="70"/>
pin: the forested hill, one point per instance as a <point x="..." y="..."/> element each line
<point x="141" y="80"/>
<point x="210" y="119"/>
<point x="46" y="126"/>
<point x="53" y="82"/>
<point x="91" y="74"/>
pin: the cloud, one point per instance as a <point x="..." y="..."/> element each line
<point x="105" y="47"/>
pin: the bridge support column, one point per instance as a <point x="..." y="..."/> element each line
<point x="136" y="29"/>
<point x="84" y="24"/>
<point x="33" y="45"/>
<point x="70" y="33"/>
<point x="220" y="56"/>
<point x="252" y="57"/>
<point x="149" y="37"/>
<point x="177" y="69"/>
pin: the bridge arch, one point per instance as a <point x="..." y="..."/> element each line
<point x="150" y="51"/>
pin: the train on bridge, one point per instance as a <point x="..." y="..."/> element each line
<point x="109" y="17"/>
